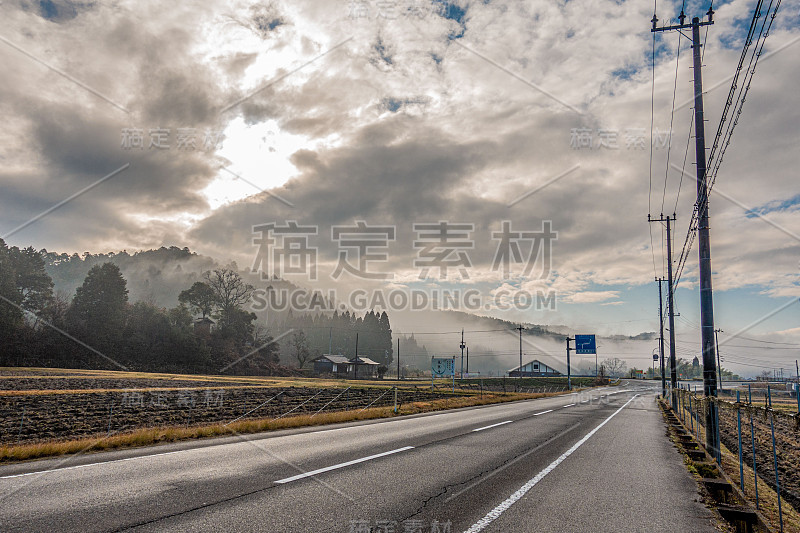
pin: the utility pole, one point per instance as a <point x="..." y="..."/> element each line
<point x="468" y="360"/>
<point x="719" y="363"/>
<point x="520" y="328"/>
<point x="661" y="336"/>
<point x="673" y="371"/>
<point x="569" y="376"/>
<point x="462" y="345"/>
<point x="703" y="237"/>
<point x="398" y="358"/>
<point x="330" y="340"/>
<point x="355" y="366"/>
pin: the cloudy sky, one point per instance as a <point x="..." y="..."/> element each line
<point x="151" y="124"/>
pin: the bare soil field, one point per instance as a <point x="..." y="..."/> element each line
<point x="39" y="405"/>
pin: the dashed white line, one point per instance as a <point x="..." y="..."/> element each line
<point x="493" y="425"/>
<point x="495" y="513"/>
<point x="570" y="405"/>
<point x="543" y="412"/>
<point x="342" y="465"/>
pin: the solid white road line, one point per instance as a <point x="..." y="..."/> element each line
<point x="493" y="425"/>
<point x="342" y="465"/>
<point x="74" y="467"/>
<point x="511" y="500"/>
<point x="570" y="405"/>
<point x="543" y="412"/>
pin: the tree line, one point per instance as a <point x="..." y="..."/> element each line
<point x="313" y="335"/>
<point x="209" y="331"/>
<point x="100" y="328"/>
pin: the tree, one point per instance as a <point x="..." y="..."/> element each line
<point x="615" y="367"/>
<point x="32" y="281"/>
<point x="229" y="288"/>
<point x="231" y="292"/>
<point x="10" y="313"/>
<point x="299" y="346"/>
<point x="99" y="308"/>
<point x="200" y="298"/>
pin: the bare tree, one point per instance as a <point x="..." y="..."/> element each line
<point x="615" y="367"/>
<point x="229" y="287"/>
<point x="300" y="350"/>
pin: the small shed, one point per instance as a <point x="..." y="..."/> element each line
<point x="367" y="368"/>
<point x="332" y="364"/>
<point x="204" y="326"/>
<point x="534" y="368"/>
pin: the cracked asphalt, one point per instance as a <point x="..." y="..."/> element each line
<point x="432" y="472"/>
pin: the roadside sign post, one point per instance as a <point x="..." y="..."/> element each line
<point x="569" y="377"/>
<point x="584" y="345"/>
<point x="443" y="366"/>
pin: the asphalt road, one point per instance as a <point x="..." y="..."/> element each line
<point x="599" y="461"/>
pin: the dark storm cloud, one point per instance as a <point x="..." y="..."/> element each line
<point x="76" y="137"/>
<point x="393" y="173"/>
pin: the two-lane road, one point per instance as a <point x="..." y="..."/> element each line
<point x="597" y="461"/>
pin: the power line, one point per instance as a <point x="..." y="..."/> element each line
<point x="725" y="129"/>
<point x="671" y="119"/>
<point x="767" y="342"/>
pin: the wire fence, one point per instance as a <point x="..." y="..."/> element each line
<point x="43" y="417"/>
<point x="764" y="436"/>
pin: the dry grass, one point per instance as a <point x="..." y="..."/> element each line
<point x="767" y="498"/>
<point x="216" y="381"/>
<point x="146" y="437"/>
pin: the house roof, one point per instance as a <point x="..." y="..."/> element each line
<point x="550" y="365"/>
<point x="363" y="361"/>
<point x="204" y="320"/>
<point x="337" y="359"/>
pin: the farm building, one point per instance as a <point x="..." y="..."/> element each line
<point x="534" y="368"/>
<point x="367" y="368"/>
<point x="332" y="364"/>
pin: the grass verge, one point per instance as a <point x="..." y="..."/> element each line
<point x="150" y="436"/>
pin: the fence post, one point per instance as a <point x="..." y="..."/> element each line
<point x="395" y="400"/>
<point x="691" y="414"/>
<point x="775" y="457"/>
<point x="21" y="422"/>
<point x="719" y="430"/>
<point x="739" y="430"/>
<point x="753" y="441"/>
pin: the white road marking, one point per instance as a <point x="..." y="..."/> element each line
<point x="543" y="412"/>
<point x="495" y="513"/>
<point x="570" y="405"/>
<point x="90" y="464"/>
<point x="342" y="465"/>
<point x="493" y="425"/>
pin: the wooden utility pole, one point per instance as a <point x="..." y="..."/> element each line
<point x="520" y="329"/>
<point x="661" y="337"/>
<point x="708" y="342"/>
<point x="673" y="371"/>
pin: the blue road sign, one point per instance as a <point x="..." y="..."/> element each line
<point x="443" y="366"/>
<point x="585" y="344"/>
<point x="655" y="357"/>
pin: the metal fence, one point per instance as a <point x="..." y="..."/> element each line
<point x="762" y="431"/>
